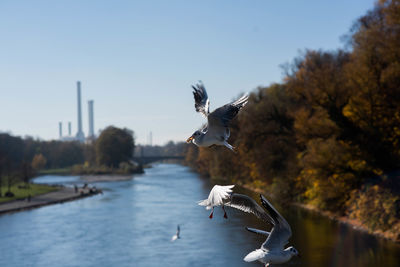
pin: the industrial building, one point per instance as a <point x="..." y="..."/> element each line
<point x="80" y="136"/>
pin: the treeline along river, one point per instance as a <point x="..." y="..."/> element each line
<point x="132" y="223"/>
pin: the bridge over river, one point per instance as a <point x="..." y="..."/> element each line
<point x="150" y="159"/>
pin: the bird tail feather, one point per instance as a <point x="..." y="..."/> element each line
<point x="203" y="202"/>
<point x="254" y="255"/>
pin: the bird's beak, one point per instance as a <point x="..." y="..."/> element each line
<point x="298" y="255"/>
<point x="190" y="139"/>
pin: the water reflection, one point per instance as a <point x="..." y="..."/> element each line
<point x="132" y="223"/>
<point x="323" y="242"/>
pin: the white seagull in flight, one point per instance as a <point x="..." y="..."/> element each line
<point x="272" y="251"/>
<point x="218" y="196"/>
<point x="216" y="132"/>
<point x="177" y="235"/>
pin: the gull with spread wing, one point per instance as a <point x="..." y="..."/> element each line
<point x="218" y="196"/>
<point x="272" y="251"/>
<point x="216" y="132"/>
<point x="177" y="235"/>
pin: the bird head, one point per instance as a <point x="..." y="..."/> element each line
<point x="293" y="251"/>
<point x="194" y="136"/>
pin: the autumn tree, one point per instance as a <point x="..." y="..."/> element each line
<point x="329" y="134"/>
<point x="38" y="162"/>
<point x="373" y="74"/>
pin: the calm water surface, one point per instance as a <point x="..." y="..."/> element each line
<point x="132" y="223"/>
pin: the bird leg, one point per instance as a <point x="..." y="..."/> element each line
<point x="211" y="214"/>
<point x="225" y="215"/>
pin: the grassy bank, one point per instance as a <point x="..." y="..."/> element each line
<point x="22" y="191"/>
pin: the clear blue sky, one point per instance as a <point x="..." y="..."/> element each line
<point x="137" y="59"/>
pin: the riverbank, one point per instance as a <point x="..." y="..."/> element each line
<point x="64" y="194"/>
<point x="106" y="178"/>
<point x="22" y="191"/>
<point x="60" y="171"/>
<point x="355" y="224"/>
<point x="124" y="169"/>
<point x="58" y="194"/>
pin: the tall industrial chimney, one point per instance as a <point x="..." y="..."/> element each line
<point x="60" y="129"/>
<point x="151" y="139"/>
<point x="69" y="129"/>
<point x="79" y="135"/>
<point x="91" y="121"/>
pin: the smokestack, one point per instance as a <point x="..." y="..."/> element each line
<point x="91" y="120"/>
<point x="79" y="135"/>
<point x="60" y="129"/>
<point x="151" y="139"/>
<point x="69" y="129"/>
<point x="79" y="108"/>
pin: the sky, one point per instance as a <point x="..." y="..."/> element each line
<point x="138" y="59"/>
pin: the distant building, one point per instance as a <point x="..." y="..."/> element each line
<point x="80" y="136"/>
<point x="60" y="129"/>
<point x="69" y="129"/>
<point x="91" y="120"/>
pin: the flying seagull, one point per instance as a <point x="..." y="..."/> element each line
<point x="272" y="251"/>
<point x="216" y="132"/>
<point x="177" y="235"/>
<point x="218" y="196"/>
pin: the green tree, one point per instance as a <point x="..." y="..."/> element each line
<point x="11" y="156"/>
<point x="27" y="172"/>
<point x="114" y="146"/>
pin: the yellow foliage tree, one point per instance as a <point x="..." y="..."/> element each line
<point x="38" y="162"/>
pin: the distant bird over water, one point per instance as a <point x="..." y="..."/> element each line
<point x="216" y="132"/>
<point x="177" y="235"/>
<point x="218" y="196"/>
<point x="272" y="250"/>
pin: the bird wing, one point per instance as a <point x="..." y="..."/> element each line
<point x="257" y="231"/>
<point x="222" y="116"/>
<point x="201" y="101"/>
<point x="247" y="204"/>
<point x="254" y="255"/>
<point x="281" y="232"/>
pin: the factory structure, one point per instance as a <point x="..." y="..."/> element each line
<point x="79" y="136"/>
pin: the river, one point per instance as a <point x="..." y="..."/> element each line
<point x="132" y="223"/>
